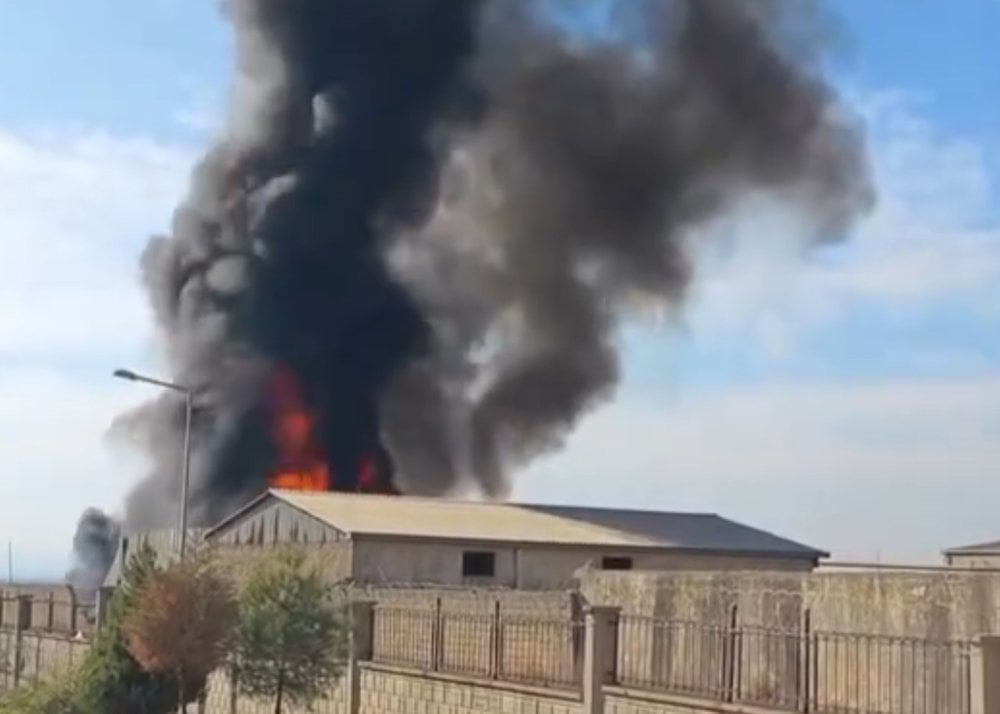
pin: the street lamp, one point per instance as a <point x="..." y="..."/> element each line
<point x="186" y="457"/>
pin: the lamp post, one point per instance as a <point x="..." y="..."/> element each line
<point x="186" y="456"/>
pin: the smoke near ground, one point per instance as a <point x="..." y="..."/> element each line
<point x="436" y="213"/>
<point x="93" y="549"/>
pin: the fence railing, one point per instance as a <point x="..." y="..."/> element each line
<point x="47" y="613"/>
<point x="539" y="651"/>
<point x="794" y="669"/>
<point x="31" y="657"/>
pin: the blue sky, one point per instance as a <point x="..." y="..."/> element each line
<point x="851" y="400"/>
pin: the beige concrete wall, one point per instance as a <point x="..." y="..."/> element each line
<point x="528" y="567"/>
<point x="220" y="699"/>
<point x="394" y="691"/>
<point x="937" y="605"/>
<point x="44" y="657"/>
<point x="239" y="562"/>
<point x="387" y="692"/>
<point x="974" y="561"/>
<point x="624" y="705"/>
<point x="52" y="607"/>
<point x="546" y="568"/>
<point x="868" y="629"/>
<point x="414" y="562"/>
<point x="763" y="597"/>
<point x="512" y="603"/>
<point x="397" y="692"/>
<point x="619" y="701"/>
<point x="934" y="605"/>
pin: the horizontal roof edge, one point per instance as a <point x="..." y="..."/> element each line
<point x="803" y="553"/>
<point x="989" y="548"/>
<point x="432" y="520"/>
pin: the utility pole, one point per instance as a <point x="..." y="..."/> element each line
<point x="185" y="475"/>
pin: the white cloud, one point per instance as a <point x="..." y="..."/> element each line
<point x="894" y="468"/>
<point x="55" y="459"/>
<point x="202" y="116"/>
<point x="933" y="240"/>
<point x="74" y="213"/>
<point x="75" y="210"/>
<point x="902" y="467"/>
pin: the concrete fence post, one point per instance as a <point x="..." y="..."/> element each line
<point x="362" y="613"/>
<point x="22" y="622"/>
<point x="104" y="595"/>
<point x="985" y="675"/>
<point x="73" y="608"/>
<point x="599" y="649"/>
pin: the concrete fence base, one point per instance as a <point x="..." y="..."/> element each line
<point x="985" y="676"/>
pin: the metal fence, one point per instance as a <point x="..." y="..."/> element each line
<point x="47" y="613"/>
<point x="796" y="670"/>
<point x="31" y="657"/>
<point x="539" y="651"/>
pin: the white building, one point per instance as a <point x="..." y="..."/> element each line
<point x="402" y="539"/>
<point x="981" y="556"/>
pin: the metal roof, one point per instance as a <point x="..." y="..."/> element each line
<point x="991" y="548"/>
<point x="447" y="519"/>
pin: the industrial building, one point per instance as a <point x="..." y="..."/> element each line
<point x="401" y="539"/>
<point x="163" y="543"/>
<point x="980" y="555"/>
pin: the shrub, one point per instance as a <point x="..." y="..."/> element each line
<point x="52" y="698"/>
<point x="110" y="679"/>
<point x="291" y="640"/>
<point x="180" y="625"/>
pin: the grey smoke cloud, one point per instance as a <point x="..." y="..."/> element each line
<point x="93" y="549"/>
<point x="574" y="198"/>
<point x="436" y="214"/>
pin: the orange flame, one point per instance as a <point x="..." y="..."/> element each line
<point x="301" y="464"/>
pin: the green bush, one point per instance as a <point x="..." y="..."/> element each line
<point x="291" y="641"/>
<point x="109" y="679"/>
<point x="181" y="626"/>
<point x="53" y="698"/>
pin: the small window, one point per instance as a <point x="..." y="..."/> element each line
<point x="616" y="563"/>
<point x="478" y="564"/>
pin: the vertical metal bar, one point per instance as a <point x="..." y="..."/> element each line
<point x="436" y="636"/>
<point x="19" y="626"/>
<point x="802" y="688"/>
<point x="616" y="638"/>
<point x="185" y="475"/>
<point x="729" y="656"/>
<point x="822" y="689"/>
<point x="496" y="641"/>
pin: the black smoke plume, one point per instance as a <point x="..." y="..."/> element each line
<point x="436" y="213"/>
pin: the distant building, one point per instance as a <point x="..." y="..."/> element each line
<point x="401" y="539"/>
<point x="53" y="606"/>
<point x="981" y="555"/>
<point x="162" y="542"/>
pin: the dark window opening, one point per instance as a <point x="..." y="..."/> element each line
<point x="616" y="563"/>
<point x="478" y="564"/>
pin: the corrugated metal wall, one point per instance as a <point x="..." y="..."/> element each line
<point x="273" y="522"/>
